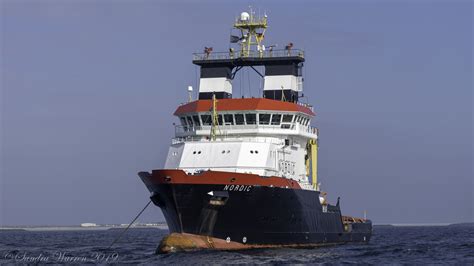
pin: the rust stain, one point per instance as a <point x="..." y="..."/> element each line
<point x="187" y="242"/>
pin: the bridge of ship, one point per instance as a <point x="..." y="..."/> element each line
<point x="243" y="117"/>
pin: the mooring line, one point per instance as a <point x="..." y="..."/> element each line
<point x="123" y="232"/>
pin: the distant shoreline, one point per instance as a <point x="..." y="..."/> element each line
<point x="426" y="224"/>
<point x="80" y="228"/>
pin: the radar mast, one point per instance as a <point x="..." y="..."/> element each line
<point x="252" y="30"/>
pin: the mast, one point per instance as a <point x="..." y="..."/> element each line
<point x="215" y="120"/>
<point x="283" y="68"/>
<point x="251" y="28"/>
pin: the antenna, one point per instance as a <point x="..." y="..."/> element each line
<point x="283" y="99"/>
<point x="190" y="92"/>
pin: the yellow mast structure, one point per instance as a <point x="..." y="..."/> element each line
<point x="251" y="29"/>
<point x="312" y="162"/>
<point x="215" y="120"/>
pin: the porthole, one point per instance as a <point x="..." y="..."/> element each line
<point x="199" y="152"/>
<point x="232" y="179"/>
<point x="228" y="151"/>
<point x="256" y="151"/>
<point x="194" y="152"/>
<point x="251" y="152"/>
<point x="223" y="151"/>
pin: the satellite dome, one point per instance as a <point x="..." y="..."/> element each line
<point x="244" y="16"/>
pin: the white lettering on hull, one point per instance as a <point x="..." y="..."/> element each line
<point x="243" y="188"/>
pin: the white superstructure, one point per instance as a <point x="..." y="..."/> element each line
<point x="266" y="143"/>
<point x="268" y="136"/>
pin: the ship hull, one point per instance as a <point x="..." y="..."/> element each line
<point x="249" y="216"/>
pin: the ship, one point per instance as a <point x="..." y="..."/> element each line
<point x="242" y="173"/>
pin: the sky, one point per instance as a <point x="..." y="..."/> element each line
<point x="88" y="89"/>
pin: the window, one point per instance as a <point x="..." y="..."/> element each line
<point x="239" y="119"/>
<point x="276" y="119"/>
<point x="206" y="120"/>
<point x="305" y="120"/>
<point x="190" y="120"/>
<point x="264" y="119"/>
<point x="183" y="121"/>
<point x="196" y="120"/>
<point x="219" y="120"/>
<point x="229" y="119"/>
<point x="287" y="118"/>
<point x="251" y="119"/>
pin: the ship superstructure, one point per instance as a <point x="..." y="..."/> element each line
<point x="242" y="172"/>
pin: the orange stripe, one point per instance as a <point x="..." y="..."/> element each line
<point x="219" y="178"/>
<point x="246" y="104"/>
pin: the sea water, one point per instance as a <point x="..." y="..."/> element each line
<point x="389" y="245"/>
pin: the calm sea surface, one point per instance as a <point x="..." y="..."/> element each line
<point x="392" y="245"/>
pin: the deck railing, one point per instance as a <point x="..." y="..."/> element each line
<point x="249" y="54"/>
<point x="226" y="129"/>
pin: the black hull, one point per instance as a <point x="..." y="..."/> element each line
<point x="255" y="215"/>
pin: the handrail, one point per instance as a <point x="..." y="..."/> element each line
<point x="219" y="137"/>
<point x="285" y="53"/>
<point x="179" y="129"/>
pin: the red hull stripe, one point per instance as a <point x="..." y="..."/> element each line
<point x="246" y="104"/>
<point x="220" y="178"/>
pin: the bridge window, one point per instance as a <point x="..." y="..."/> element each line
<point x="206" y="120"/>
<point x="239" y="119"/>
<point x="276" y="119"/>
<point x="287" y="118"/>
<point x="264" y="119"/>
<point x="183" y="121"/>
<point x="251" y="119"/>
<point x="229" y="119"/>
<point x="196" y="120"/>
<point x="190" y="120"/>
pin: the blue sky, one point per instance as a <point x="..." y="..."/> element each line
<point x="88" y="89"/>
